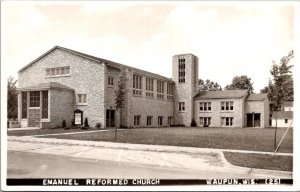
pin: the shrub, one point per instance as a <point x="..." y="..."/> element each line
<point x="193" y="123"/>
<point x="63" y="124"/>
<point x="98" y="125"/>
<point x="86" y="123"/>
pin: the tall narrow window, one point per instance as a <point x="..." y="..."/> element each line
<point x="181" y="71"/>
<point x="160" y="89"/>
<point x="24" y="105"/>
<point x="149" y="87"/>
<point x="170" y="119"/>
<point x="34" y="99"/>
<point x="45" y="105"/>
<point x="137" y="85"/>
<point x="149" y="120"/>
<point x="160" y="120"/>
<point x="110" y="81"/>
<point x="170" y="91"/>
<point x="137" y="120"/>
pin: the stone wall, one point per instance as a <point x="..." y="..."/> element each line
<point x="261" y="107"/>
<point x="62" y="108"/>
<point x="216" y="113"/>
<point x="86" y="77"/>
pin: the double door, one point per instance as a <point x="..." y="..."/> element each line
<point x="110" y="118"/>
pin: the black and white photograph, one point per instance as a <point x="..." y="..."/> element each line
<point x="143" y="95"/>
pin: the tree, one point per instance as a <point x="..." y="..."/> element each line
<point x="208" y="85"/>
<point x="241" y="82"/>
<point x="12" y="98"/>
<point x="280" y="88"/>
<point x="121" y="96"/>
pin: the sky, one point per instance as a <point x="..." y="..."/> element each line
<point x="230" y="39"/>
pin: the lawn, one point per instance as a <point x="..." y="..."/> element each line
<point x="282" y="163"/>
<point x="222" y="138"/>
<point x="44" y="131"/>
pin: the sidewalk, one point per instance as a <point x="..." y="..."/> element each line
<point x="171" y="156"/>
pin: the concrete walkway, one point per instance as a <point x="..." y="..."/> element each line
<point x="171" y="156"/>
<point x="25" y="128"/>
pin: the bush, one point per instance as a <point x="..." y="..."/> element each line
<point x="86" y="123"/>
<point x="98" y="125"/>
<point x="63" y="124"/>
<point x="73" y="122"/>
<point x="193" y="123"/>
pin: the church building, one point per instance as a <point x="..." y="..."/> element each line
<point x="63" y="81"/>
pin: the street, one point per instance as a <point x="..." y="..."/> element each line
<point x="35" y="165"/>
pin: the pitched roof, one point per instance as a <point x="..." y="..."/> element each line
<point x="45" y="86"/>
<point x="226" y="94"/>
<point x="99" y="60"/>
<point x="283" y="115"/>
<point x="257" y="97"/>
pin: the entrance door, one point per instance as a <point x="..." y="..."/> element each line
<point x="110" y="118"/>
<point x="253" y="120"/>
<point x="33" y="117"/>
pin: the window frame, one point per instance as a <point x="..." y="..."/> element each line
<point x="110" y="81"/>
<point x="57" y="72"/>
<point x="181" y="106"/>
<point x="227" y="105"/>
<point x="137" y="85"/>
<point x="160" y="120"/>
<point x="80" y="99"/>
<point x="136" y="120"/>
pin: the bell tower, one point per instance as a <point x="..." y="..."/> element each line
<point x="185" y="75"/>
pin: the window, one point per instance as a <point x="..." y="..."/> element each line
<point x="34" y="99"/>
<point x="227" y="121"/>
<point x="149" y="87"/>
<point x="45" y="105"/>
<point x="24" y="105"/>
<point x="160" y="89"/>
<point x="110" y="81"/>
<point x="204" y="121"/>
<point x="181" y="71"/>
<point x="170" y="91"/>
<point x="137" y="120"/>
<point x="170" y="121"/>
<point x="58" y="71"/>
<point x="137" y="85"/>
<point x="205" y="106"/>
<point x="227" y="106"/>
<point x="149" y="120"/>
<point x="160" y="120"/>
<point x="286" y="121"/>
<point x="181" y="106"/>
<point x="82" y="99"/>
